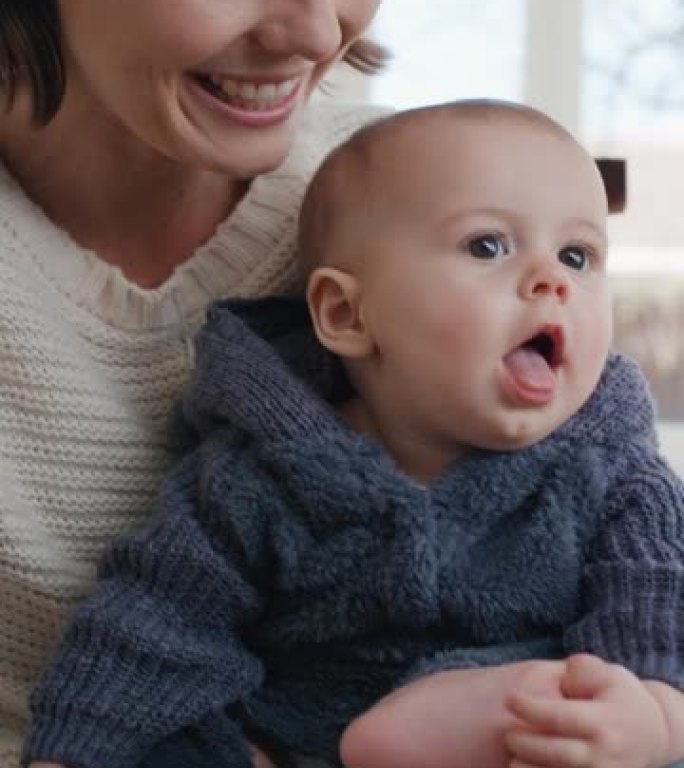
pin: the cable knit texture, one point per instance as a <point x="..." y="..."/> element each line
<point x="293" y="575"/>
<point x="90" y="366"/>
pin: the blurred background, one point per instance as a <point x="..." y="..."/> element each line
<point x="612" y="71"/>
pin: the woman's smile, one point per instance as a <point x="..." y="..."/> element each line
<point x="254" y="103"/>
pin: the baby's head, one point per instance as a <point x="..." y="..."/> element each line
<point x="456" y="259"/>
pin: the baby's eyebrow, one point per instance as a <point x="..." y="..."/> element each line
<point x="455" y="218"/>
<point x="587" y="224"/>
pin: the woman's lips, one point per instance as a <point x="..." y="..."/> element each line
<point x="248" y="103"/>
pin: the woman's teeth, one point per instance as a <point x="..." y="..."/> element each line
<point x="261" y="96"/>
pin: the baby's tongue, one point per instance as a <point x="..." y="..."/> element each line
<point x="530" y="369"/>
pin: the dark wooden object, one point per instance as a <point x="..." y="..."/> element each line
<point x="614" y="173"/>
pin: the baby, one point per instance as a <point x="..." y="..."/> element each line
<point x="430" y="487"/>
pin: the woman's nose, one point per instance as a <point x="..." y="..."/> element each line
<point x="543" y="279"/>
<point x="307" y="28"/>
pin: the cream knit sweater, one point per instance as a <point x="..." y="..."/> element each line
<point x="90" y="366"/>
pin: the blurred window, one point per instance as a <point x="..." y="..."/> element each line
<point x="444" y="50"/>
<point x="632" y="105"/>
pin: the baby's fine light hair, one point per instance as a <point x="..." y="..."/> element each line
<point x="341" y="197"/>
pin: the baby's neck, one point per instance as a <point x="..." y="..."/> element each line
<point x="413" y="453"/>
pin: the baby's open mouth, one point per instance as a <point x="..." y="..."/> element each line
<point x="532" y="366"/>
<point x="548" y="343"/>
<point x="246" y="95"/>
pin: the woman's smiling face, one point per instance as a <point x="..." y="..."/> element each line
<point x="219" y="84"/>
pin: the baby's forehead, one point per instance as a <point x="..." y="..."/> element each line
<point x="444" y="127"/>
<point x="400" y="157"/>
<point x="403" y="157"/>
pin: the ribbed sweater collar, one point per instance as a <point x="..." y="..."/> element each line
<point x="247" y="241"/>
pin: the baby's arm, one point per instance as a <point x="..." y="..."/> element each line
<point x="452" y="719"/>
<point x="632" y="592"/>
<point x="598" y="714"/>
<point x="607" y="717"/>
<point x="158" y="644"/>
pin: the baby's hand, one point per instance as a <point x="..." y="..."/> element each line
<point x="45" y="765"/>
<point x="607" y="718"/>
<point x="259" y="758"/>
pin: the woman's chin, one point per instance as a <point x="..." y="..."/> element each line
<point x="235" y="142"/>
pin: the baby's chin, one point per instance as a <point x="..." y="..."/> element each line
<point x="516" y="436"/>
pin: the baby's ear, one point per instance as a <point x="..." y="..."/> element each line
<point x="334" y="299"/>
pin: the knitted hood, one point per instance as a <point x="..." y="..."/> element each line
<point x="261" y="369"/>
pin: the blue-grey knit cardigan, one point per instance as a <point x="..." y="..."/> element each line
<point x="293" y="575"/>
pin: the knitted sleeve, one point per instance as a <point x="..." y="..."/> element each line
<point x="483" y="656"/>
<point x="633" y="582"/>
<point x="156" y="647"/>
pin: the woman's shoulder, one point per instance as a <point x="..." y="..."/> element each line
<point x="263" y="227"/>
<point x="326" y="124"/>
<point x="337" y="121"/>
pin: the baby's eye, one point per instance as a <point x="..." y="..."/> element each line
<point x="574" y="256"/>
<point x="490" y="246"/>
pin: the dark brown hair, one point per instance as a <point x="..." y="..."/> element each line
<point x="31" y="53"/>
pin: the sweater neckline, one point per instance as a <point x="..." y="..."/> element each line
<point x="245" y="241"/>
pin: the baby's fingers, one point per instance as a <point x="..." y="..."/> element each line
<point x="515" y="763"/>
<point x="533" y="749"/>
<point x="559" y="717"/>
<point x="586" y="676"/>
